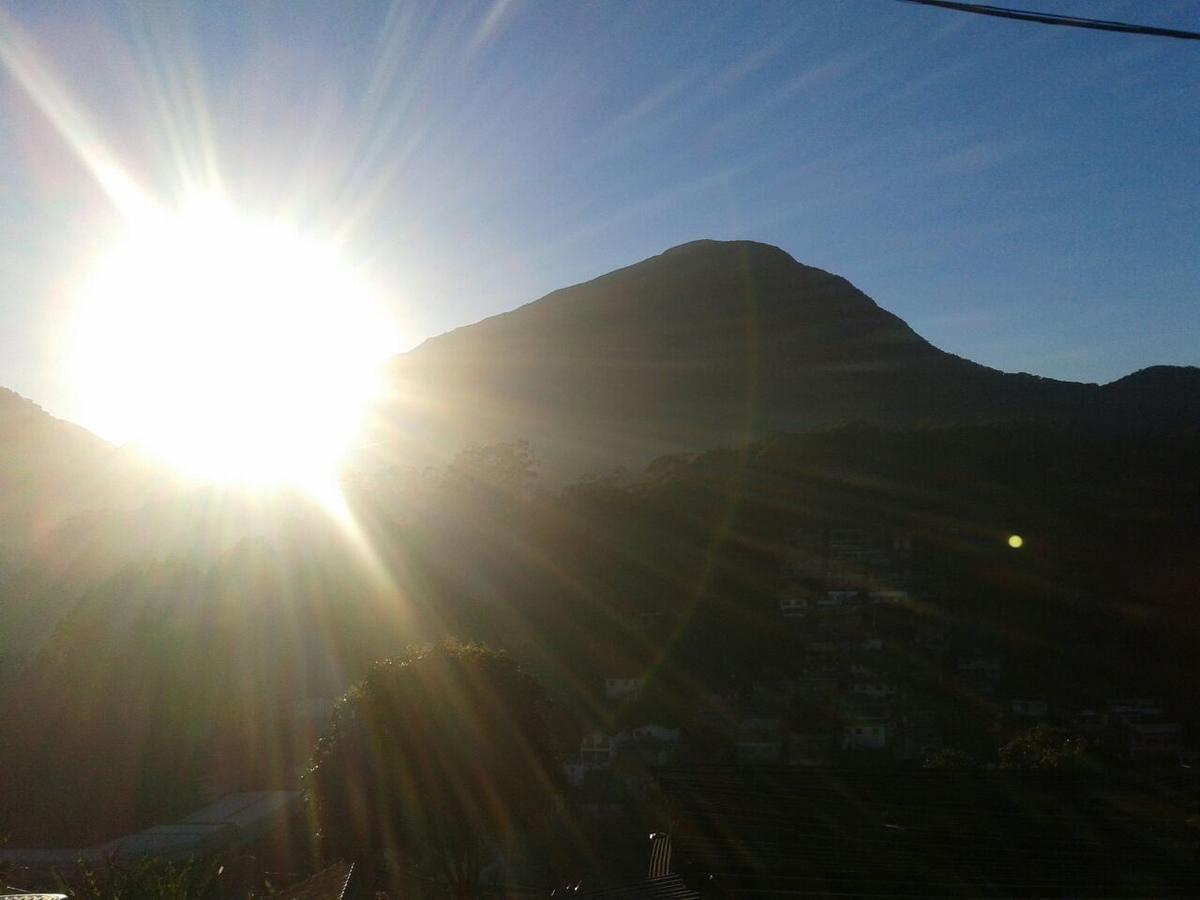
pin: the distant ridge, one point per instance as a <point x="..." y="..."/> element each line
<point x="713" y="343"/>
<point x="49" y="471"/>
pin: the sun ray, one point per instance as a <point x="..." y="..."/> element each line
<point x="20" y="57"/>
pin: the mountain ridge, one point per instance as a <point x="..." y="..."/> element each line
<point x="707" y="343"/>
<point x="716" y="342"/>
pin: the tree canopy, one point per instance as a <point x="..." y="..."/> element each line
<point x="435" y="764"/>
<point x="1043" y="749"/>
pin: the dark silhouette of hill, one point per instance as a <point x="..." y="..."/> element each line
<point x="53" y="471"/>
<point x="49" y="470"/>
<point x="712" y="343"/>
<point x="60" y="488"/>
<point x="211" y="623"/>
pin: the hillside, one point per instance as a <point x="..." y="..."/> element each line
<point x="709" y="344"/>
<point x="49" y="470"/>
<point x="235" y="619"/>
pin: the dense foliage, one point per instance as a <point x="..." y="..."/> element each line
<point x="438" y="762"/>
<point x="206" y="878"/>
<point x="1044" y="749"/>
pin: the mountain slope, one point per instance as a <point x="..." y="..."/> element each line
<point x="712" y="343"/>
<point x="52" y="470"/>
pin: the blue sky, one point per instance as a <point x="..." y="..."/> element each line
<point x="1022" y="195"/>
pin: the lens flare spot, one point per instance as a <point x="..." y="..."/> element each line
<point x="1015" y="541"/>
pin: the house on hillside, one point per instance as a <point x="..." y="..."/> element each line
<point x="874" y="688"/>
<point x="596" y="749"/>
<point x="980" y="673"/>
<point x="759" y="741"/>
<point x="617" y="688"/>
<point x="596" y="753"/>
<point x="821" y="658"/>
<point x="866" y="733"/>
<point x="1139" y="706"/>
<point x="793" y="606"/>
<point x="1150" y="737"/>
<point x="857" y="556"/>
<point x="653" y="744"/>
<point x="839" y="598"/>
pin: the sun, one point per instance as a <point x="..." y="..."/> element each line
<point x="239" y="350"/>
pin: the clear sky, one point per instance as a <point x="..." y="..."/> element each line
<point x="1023" y="195"/>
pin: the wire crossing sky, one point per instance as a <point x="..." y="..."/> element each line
<point x="1029" y="15"/>
<point x="1025" y="196"/>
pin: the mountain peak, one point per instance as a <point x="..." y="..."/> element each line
<point x="1161" y="376"/>
<point x="710" y="343"/>
<point x="713" y="246"/>
<point x="739" y="254"/>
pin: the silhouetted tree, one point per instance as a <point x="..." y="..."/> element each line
<point x="436" y="764"/>
<point x="506" y="467"/>
<point x="1043" y="748"/>
<point x="150" y="878"/>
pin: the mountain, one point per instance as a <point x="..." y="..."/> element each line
<point x="65" y="519"/>
<point x="52" y="470"/>
<point x="713" y="343"/>
<point x="158" y="643"/>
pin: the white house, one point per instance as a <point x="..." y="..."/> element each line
<point x="978" y="668"/>
<point x="615" y="688"/>
<point x="1149" y="735"/>
<point x="865" y="733"/>
<point x="660" y="733"/>
<point x="873" y="688"/>
<point x="597" y="748"/>
<point x="793" y="607"/>
<point x="1135" y="708"/>
<point x="654" y="744"/>
<point x="820" y="657"/>
<point x="839" y="598"/>
<point x="1153" y="740"/>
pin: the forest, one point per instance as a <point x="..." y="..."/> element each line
<point x="176" y="677"/>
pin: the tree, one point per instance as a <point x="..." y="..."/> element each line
<point x="506" y="468"/>
<point x="436" y="764"/>
<point x="151" y="878"/>
<point x="1043" y="749"/>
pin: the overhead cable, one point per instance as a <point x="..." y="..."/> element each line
<point x="1025" y="15"/>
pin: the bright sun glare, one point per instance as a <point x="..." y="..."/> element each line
<point x="239" y="350"/>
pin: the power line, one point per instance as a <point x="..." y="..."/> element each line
<point x="1024" y="15"/>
